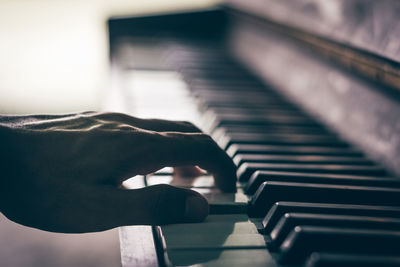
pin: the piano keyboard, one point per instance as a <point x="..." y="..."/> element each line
<point x="305" y="197"/>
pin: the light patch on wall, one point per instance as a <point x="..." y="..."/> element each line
<point x="159" y="94"/>
<point x="54" y="54"/>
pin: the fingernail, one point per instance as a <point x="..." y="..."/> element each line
<point x="196" y="209"/>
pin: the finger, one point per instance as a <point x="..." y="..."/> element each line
<point x="199" y="149"/>
<point x="149" y="124"/>
<point x="154" y="205"/>
<point x="82" y="208"/>
<point x="146" y="152"/>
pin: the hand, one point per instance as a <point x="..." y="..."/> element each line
<point x="63" y="173"/>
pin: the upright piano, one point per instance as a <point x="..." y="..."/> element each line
<point x="304" y="96"/>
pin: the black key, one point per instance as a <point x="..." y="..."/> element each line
<point x="191" y="60"/>
<point x="290" y="220"/>
<point x="217" y="67"/>
<point x="235" y="149"/>
<point x="304" y="240"/>
<point x="311" y="159"/>
<point x="243" y="118"/>
<point x="319" y="178"/>
<point x="272" y="130"/>
<point x="245" y="97"/>
<point x="271" y="121"/>
<point x="279" y="140"/>
<point x="257" y="120"/>
<point x="232" y="82"/>
<point x="246" y="170"/>
<point x="271" y="192"/>
<point x="281" y="208"/>
<point x="231" y="88"/>
<point x="190" y="74"/>
<point x="351" y="260"/>
<point x="266" y="110"/>
<point x="203" y="105"/>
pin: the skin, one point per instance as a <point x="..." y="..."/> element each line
<point x="63" y="173"/>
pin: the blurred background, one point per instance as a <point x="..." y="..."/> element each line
<point x="54" y="59"/>
<point x="54" y="54"/>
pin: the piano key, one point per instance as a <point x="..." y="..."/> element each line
<point x="225" y="203"/>
<point x="217" y="233"/>
<point x="214" y="105"/>
<point x="204" y="82"/>
<point x="271" y="121"/>
<point x="304" y="240"/>
<point x="234" y="128"/>
<point x="134" y="182"/>
<point x="197" y="182"/>
<point x="221" y="258"/>
<point x="182" y="53"/>
<point x="164" y="171"/>
<point x="204" y="181"/>
<point x="239" y="117"/>
<point x="290" y="220"/>
<point x="234" y="218"/>
<point x="246" y="170"/>
<point x="282" y="207"/>
<point x="350" y="260"/>
<point x="192" y="61"/>
<point x="204" y="65"/>
<point x="273" y="132"/>
<point x="229" y="108"/>
<point x="237" y="224"/>
<point x="271" y="192"/>
<point x="312" y="159"/>
<point x="190" y="65"/>
<point x="158" y="179"/>
<point x="276" y="140"/>
<point x="186" y="60"/>
<point x="222" y="238"/>
<point x="245" y="97"/>
<point x="263" y="176"/>
<point x="290" y="150"/>
<point x="274" y="115"/>
<point x="271" y="107"/>
<point x="228" y="88"/>
<point x="192" y="69"/>
<point x="190" y="74"/>
<point x="272" y="129"/>
<point x="206" y="93"/>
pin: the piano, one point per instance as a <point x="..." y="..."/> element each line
<point x="304" y="96"/>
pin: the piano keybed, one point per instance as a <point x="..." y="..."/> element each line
<point x="305" y="197"/>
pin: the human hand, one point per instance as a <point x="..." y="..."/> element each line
<point x="63" y="173"/>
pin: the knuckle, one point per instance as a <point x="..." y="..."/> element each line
<point x="187" y="123"/>
<point x="110" y="115"/>
<point x="207" y="139"/>
<point x="190" y="125"/>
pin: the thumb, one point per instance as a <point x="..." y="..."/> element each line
<point x="158" y="205"/>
